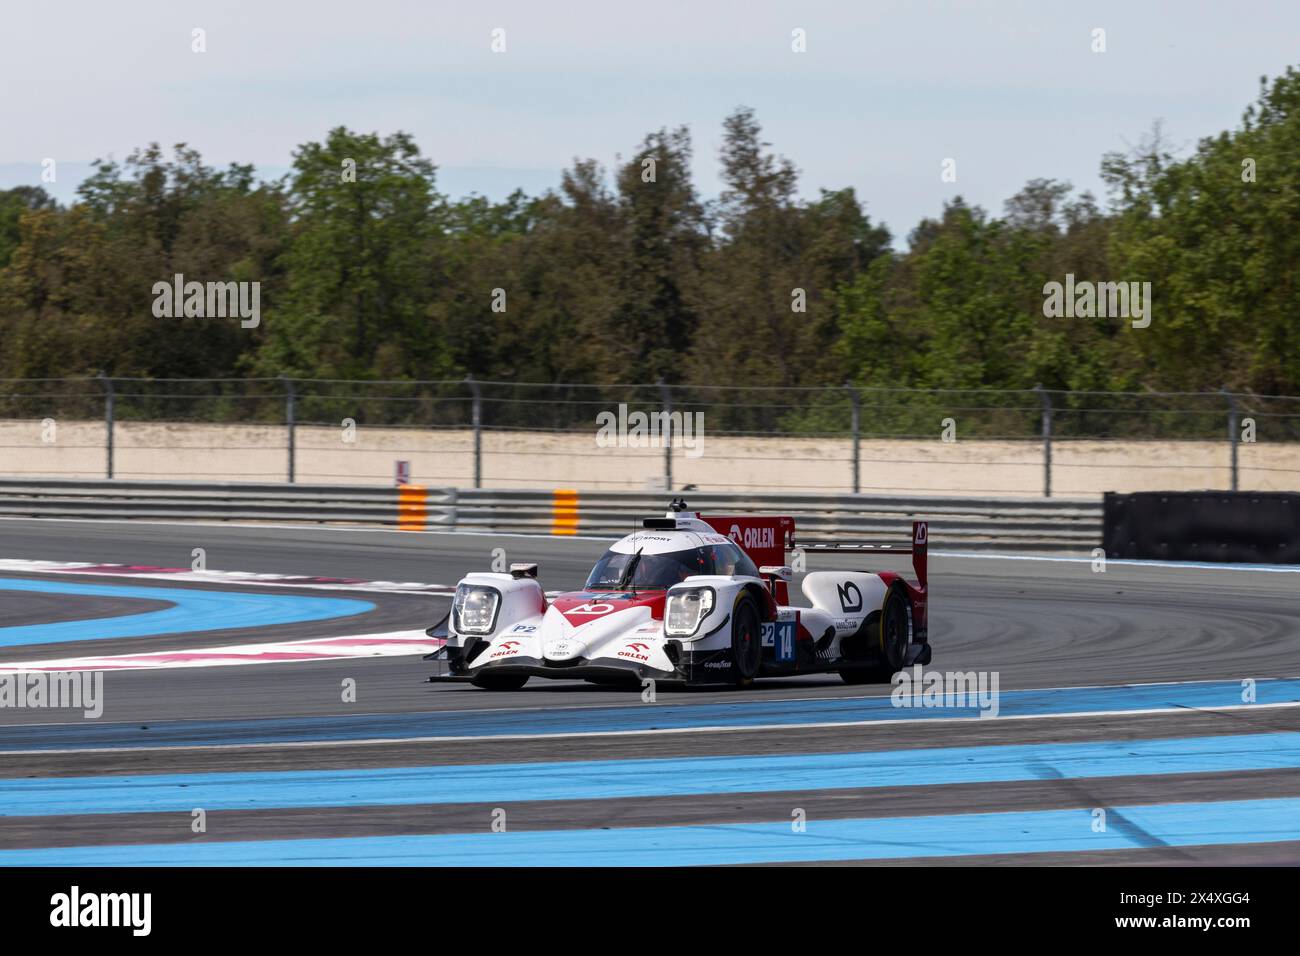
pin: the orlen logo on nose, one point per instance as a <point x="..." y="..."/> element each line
<point x="506" y="648"/>
<point x="590" y="609"/>
<point x="636" y="651"/>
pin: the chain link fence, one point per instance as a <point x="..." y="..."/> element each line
<point x="649" y="436"/>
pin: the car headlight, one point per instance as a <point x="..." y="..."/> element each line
<point x="686" y="608"/>
<point x="474" y="609"/>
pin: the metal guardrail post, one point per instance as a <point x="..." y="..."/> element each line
<point x="666" y="393"/>
<point x="451" y="509"/>
<point x="1232" y="431"/>
<point x="1046" y="399"/>
<point x="110" y="414"/>
<point x="290" y="422"/>
<point x="476" y="414"/>
<point x="856" y="398"/>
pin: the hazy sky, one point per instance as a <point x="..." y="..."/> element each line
<point x="885" y="92"/>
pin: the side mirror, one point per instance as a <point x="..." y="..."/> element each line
<point x="784" y="572"/>
<point x="523" y="570"/>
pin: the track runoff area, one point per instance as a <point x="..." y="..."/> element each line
<point x="252" y="695"/>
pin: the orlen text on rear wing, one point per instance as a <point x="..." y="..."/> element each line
<point x="764" y="538"/>
<point x="918" y="549"/>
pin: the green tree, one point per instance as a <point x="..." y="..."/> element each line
<point x="768" y="287"/>
<point x="358" y="263"/>
<point x="13" y="204"/>
<point x="1216" y="236"/>
<point x="77" y="294"/>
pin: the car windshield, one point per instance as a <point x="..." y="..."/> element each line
<point x="650" y="570"/>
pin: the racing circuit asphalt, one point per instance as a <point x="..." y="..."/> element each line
<point x="1037" y="623"/>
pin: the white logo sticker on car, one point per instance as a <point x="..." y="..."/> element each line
<point x="590" y="609"/>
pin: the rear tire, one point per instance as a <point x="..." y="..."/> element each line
<point x="746" y="640"/>
<point x="895" y="631"/>
<point x="894" y="639"/>
<point x="499" y="681"/>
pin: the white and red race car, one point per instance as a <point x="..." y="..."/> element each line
<point x="690" y="599"/>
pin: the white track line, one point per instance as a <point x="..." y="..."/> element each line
<point x="309" y="581"/>
<point x="472" y="739"/>
<point x="310" y="650"/>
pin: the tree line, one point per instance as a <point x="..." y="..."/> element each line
<point x="629" y="275"/>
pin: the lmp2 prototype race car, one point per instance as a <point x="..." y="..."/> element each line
<point x="689" y="599"/>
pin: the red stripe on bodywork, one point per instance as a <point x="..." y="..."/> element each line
<point x="602" y="605"/>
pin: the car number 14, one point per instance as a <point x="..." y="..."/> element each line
<point x="780" y="635"/>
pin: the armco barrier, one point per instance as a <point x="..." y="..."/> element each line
<point x="230" y="501"/>
<point x="956" y="523"/>
<point x="1251" y="527"/>
<point x="1007" y="524"/>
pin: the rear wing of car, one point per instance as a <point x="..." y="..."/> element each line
<point x="918" y="549"/>
<point x="765" y="538"/>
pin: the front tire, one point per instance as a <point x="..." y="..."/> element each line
<point x="499" y="681"/>
<point x="746" y="640"/>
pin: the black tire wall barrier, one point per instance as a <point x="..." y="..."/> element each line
<point x="1243" y="527"/>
